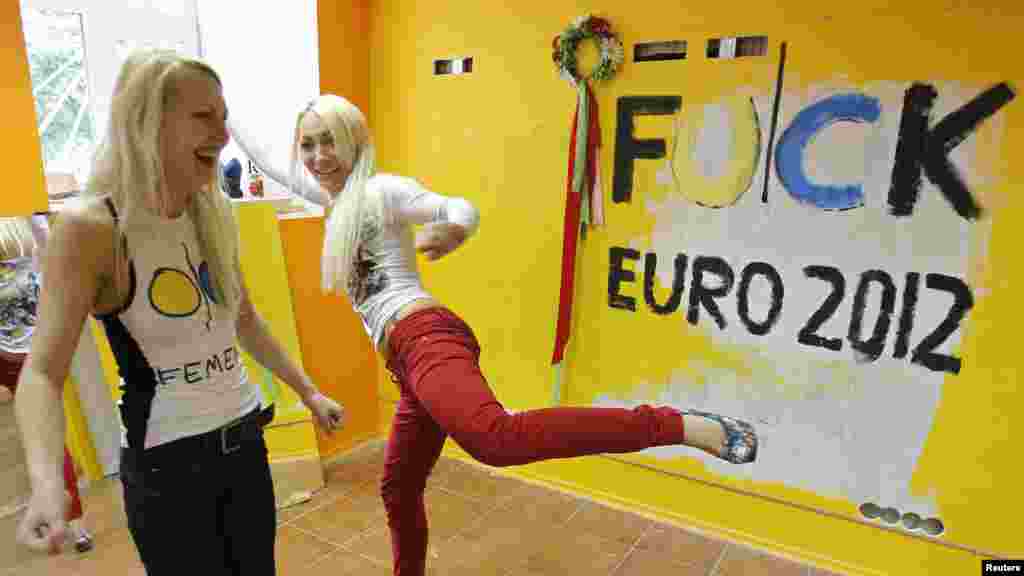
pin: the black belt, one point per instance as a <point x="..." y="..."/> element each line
<point x="221" y="441"/>
<point x="266" y="415"/>
<point x="193" y="450"/>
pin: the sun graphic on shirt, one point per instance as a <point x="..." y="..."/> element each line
<point x="180" y="294"/>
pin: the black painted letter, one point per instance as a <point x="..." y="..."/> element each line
<point x="701" y="294"/>
<point x="873" y="346"/>
<point x="617" y="275"/>
<point x="920" y="148"/>
<point x="808" y="334"/>
<point x="963" y="301"/>
<point x="627" y="148"/>
<point x="743" y="299"/>
<point x="907" y="315"/>
<point x="678" y="281"/>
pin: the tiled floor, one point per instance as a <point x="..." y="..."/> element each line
<point x="481" y="524"/>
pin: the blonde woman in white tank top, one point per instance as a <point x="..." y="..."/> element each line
<point x="151" y="250"/>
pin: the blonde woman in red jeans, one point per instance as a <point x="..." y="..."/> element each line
<point x="370" y="254"/>
<point x="21" y="243"/>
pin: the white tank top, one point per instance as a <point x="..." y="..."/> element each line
<point x="172" y="339"/>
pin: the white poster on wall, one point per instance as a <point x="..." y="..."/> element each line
<point x="843" y="284"/>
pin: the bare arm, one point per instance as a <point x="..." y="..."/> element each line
<point x="40" y="229"/>
<point x="75" y="257"/>
<point x="276" y="167"/>
<point x="254" y="335"/>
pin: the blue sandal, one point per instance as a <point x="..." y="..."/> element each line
<point x="740" y="438"/>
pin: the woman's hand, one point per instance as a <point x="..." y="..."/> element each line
<point x="437" y="239"/>
<point x="327" y="413"/>
<point x="43" y="528"/>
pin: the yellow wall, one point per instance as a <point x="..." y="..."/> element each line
<point x="499" y="136"/>
<point x="25" y="190"/>
<point x="335" y="350"/>
<point x="266" y="276"/>
<point x="344" y="27"/>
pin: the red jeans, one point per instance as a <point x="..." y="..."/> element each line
<point x="434" y="358"/>
<point x="10" y="369"/>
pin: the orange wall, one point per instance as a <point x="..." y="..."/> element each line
<point x="24" y="188"/>
<point x="335" y="350"/>
<point x="345" y="33"/>
<point x="344" y="30"/>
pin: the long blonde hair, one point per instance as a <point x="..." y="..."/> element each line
<point x="128" y="167"/>
<point x="354" y="207"/>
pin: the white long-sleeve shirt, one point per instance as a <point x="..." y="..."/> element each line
<point x="385" y="277"/>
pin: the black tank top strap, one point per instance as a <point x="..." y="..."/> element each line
<point x="131" y="265"/>
<point x="110" y="207"/>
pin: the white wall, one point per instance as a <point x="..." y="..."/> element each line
<point x="267" y="55"/>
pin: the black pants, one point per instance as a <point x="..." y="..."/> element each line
<point x="202" y="512"/>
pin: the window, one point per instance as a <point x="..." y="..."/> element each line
<point x="741" y="47"/>
<point x="60" y="87"/>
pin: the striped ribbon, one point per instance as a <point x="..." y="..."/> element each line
<point x="583" y="208"/>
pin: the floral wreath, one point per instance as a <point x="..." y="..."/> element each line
<point x="564" y="48"/>
<point x="583" y="202"/>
